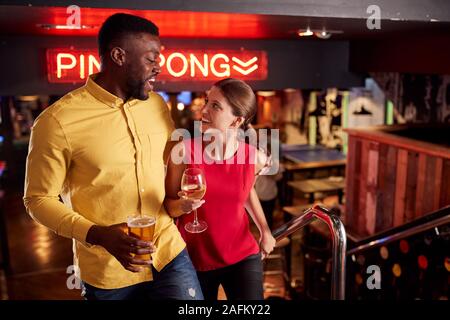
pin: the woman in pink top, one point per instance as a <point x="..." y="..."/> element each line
<point x="226" y="253"/>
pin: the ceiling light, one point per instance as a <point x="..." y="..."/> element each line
<point x="48" y="26"/>
<point x="265" y="93"/>
<point x="28" y="98"/>
<point x="323" y="34"/>
<point x="305" y="33"/>
<point x="319" y="33"/>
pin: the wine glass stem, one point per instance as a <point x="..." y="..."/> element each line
<point x="195" y="218"/>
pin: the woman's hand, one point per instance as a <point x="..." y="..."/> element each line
<point x="266" y="244"/>
<point x="188" y="205"/>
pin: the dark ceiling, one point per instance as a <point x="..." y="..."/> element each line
<point x="22" y="20"/>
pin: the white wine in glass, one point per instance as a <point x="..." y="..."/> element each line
<point x="193" y="185"/>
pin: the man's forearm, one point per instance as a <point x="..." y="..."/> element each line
<point x="56" y="216"/>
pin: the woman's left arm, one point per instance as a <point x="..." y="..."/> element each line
<point x="266" y="240"/>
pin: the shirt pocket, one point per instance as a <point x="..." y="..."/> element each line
<point x="150" y="157"/>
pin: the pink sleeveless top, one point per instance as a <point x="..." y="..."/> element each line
<point x="228" y="239"/>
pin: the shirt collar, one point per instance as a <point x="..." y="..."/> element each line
<point x="101" y="94"/>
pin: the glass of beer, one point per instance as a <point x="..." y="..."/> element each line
<point x="142" y="227"/>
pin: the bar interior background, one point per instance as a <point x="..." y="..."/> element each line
<point x="363" y="115"/>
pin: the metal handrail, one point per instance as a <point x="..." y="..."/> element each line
<point x="403" y="234"/>
<point x="339" y="242"/>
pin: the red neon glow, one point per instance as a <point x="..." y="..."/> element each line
<point x="177" y="24"/>
<point x="213" y="65"/>
<point x="72" y="66"/>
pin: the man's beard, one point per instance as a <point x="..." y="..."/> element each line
<point x="136" y="89"/>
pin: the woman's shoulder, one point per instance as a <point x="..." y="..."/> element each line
<point x="257" y="156"/>
<point x="183" y="148"/>
<point x="190" y="142"/>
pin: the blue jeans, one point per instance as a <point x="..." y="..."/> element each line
<point x="176" y="281"/>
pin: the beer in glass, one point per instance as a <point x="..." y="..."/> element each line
<point x="141" y="227"/>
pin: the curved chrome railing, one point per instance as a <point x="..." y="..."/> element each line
<point x="387" y="237"/>
<point x="339" y="242"/>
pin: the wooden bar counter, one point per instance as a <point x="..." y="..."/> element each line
<point x="395" y="174"/>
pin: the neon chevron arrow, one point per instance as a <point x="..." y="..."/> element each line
<point x="245" y="72"/>
<point x="244" y="64"/>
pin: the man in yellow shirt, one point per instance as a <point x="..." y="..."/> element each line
<point x="103" y="148"/>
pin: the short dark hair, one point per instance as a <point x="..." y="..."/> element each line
<point x="119" y="25"/>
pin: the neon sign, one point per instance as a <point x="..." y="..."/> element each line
<point x="72" y="66"/>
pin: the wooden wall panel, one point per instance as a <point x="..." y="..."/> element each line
<point x="429" y="188"/>
<point x="389" y="198"/>
<point x="382" y="162"/>
<point x="411" y="185"/>
<point x="372" y="181"/>
<point x="437" y="183"/>
<point x="421" y="170"/>
<point x="356" y="190"/>
<point x="363" y="160"/>
<point x="445" y="187"/>
<point x="350" y="213"/>
<point x="392" y="180"/>
<point x="400" y="187"/>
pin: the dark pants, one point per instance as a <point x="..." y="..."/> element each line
<point x="268" y="207"/>
<point x="241" y="281"/>
<point x="176" y="281"/>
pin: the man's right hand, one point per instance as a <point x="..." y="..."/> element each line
<point x="120" y="245"/>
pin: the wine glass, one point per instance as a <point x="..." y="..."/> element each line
<point x="193" y="185"/>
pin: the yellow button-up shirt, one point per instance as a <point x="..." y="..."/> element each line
<point x="105" y="158"/>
